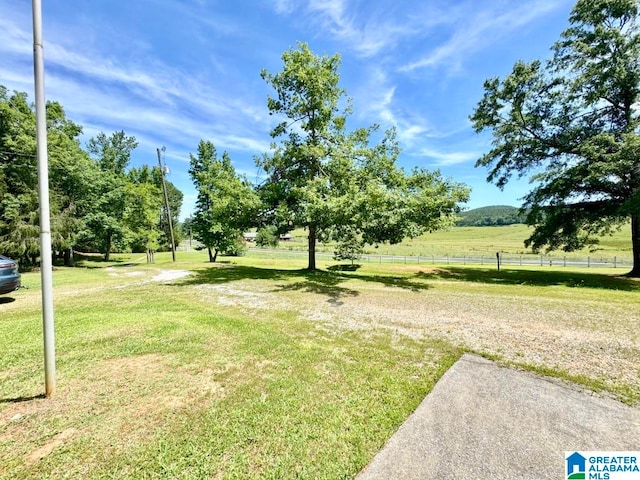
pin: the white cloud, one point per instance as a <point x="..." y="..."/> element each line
<point x="447" y="158"/>
<point x="95" y="89"/>
<point x="364" y="28"/>
<point x="284" y="7"/>
<point x="190" y="70"/>
<point x="15" y="39"/>
<point x="159" y="86"/>
<point x="377" y="101"/>
<point x="476" y="30"/>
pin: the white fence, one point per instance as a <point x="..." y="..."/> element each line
<point x="594" y="261"/>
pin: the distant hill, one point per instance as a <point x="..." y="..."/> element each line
<point x="489" y="216"/>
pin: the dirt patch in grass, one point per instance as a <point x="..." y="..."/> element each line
<point x="593" y="338"/>
<point x="239" y="296"/>
<point x="170" y="275"/>
<point x="48" y="447"/>
<point x="124" y="398"/>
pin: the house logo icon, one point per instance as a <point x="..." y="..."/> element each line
<point x="576" y="467"/>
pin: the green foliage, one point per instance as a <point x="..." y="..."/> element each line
<point x="175" y="197"/>
<point x="572" y="125"/>
<point x="267" y="237"/>
<point x="349" y="246"/>
<point x="143" y="204"/>
<point x="106" y="222"/>
<point x="112" y="153"/>
<point x="95" y="204"/>
<point x="495" y="215"/>
<point x="238" y="248"/>
<point x="226" y="204"/>
<point x="325" y="179"/>
<point x="71" y="177"/>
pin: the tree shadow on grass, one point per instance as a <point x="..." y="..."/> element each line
<point x="94" y="260"/>
<point x="22" y="399"/>
<point x="344" y="268"/>
<point x="539" y="278"/>
<point x="320" y="282"/>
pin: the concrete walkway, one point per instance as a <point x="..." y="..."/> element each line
<point x="486" y="421"/>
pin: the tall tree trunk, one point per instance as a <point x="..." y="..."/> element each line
<point x="635" y="244"/>
<point x="312" y="247"/>
<point x="215" y="254"/>
<point x="211" y="258"/>
<point x="68" y="257"/>
<point x="108" y="248"/>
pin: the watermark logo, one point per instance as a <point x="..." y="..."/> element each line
<point x="576" y="466"/>
<point x="602" y="465"/>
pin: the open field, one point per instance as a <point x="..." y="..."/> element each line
<point x="477" y="241"/>
<point x="255" y="368"/>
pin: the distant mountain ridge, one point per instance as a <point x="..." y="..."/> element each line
<point x="494" y="215"/>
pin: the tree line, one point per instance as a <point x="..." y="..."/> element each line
<point x="495" y="215"/>
<point x="572" y="123"/>
<point x="98" y="203"/>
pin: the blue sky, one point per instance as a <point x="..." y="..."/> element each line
<point x="173" y="72"/>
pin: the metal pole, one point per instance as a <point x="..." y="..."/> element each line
<point x="46" y="267"/>
<point x="166" y="206"/>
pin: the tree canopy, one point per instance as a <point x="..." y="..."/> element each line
<point x="95" y="203"/>
<point x="226" y="205"/>
<point x="571" y="124"/>
<point x="333" y="182"/>
<point x="71" y="176"/>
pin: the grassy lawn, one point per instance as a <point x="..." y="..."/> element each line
<point x="255" y="368"/>
<point x="156" y="380"/>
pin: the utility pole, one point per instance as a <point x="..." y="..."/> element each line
<point x="166" y="205"/>
<point x="46" y="263"/>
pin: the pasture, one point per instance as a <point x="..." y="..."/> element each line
<point x="458" y="241"/>
<point x="255" y="368"/>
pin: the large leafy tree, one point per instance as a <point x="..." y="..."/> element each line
<point x="332" y="182"/>
<point x="142" y="213"/>
<point x="572" y="124"/>
<point x="94" y="203"/>
<point x="19" y="229"/>
<point x="106" y="222"/>
<point x="176" y="198"/>
<point x="71" y="177"/>
<point x="226" y="205"/>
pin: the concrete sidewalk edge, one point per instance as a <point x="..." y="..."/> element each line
<point x="483" y="420"/>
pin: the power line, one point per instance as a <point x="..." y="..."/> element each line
<point x="18" y="154"/>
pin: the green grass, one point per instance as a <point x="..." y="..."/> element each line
<point x="156" y="383"/>
<point x="165" y="380"/>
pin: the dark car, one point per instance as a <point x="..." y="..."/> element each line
<point x="9" y="276"/>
